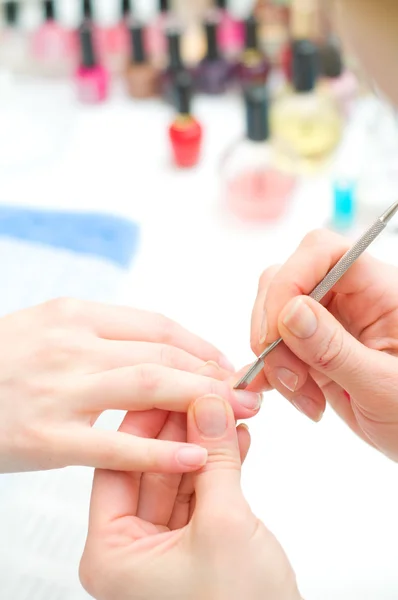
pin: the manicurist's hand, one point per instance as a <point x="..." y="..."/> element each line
<point x="184" y="538"/>
<point x="345" y="351"/>
<point x="65" y="362"/>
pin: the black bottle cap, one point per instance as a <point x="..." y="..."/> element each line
<point x="213" y="52"/>
<point x="257" y="114"/>
<point x="126" y="8"/>
<point x="331" y="60"/>
<point x="11" y="13"/>
<point x="49" y="10"/>
<point x="88" y="56"/>
<point x="251" y="38"/>
<point x="87" y="9"/>
<point x="221" y="4"/>
<point x="183" y="91"/>
<point x="305" y="65"/>
<point x="164" y="6"/>
<point x="174" y="45"/>
<point x="138" y="54"/>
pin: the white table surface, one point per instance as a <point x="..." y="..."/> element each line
<point x="330" y="500"/>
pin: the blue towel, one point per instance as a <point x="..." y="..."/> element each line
<point x="95" y="234"/>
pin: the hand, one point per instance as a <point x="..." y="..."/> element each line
<point x="189" y="538"/>
<point x="346" y="350"/>
<point x="65" y="362"/>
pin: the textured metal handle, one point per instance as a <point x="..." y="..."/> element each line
<point x="346" y="261"/>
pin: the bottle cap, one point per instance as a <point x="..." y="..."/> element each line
<point x="164" y="6"/>
<point x="256" y="101"/>
<point x="87" y="9"/>
<point x="331" y="61"/>
<point x="126" y="8"/>
<point x="251" y="38"/>
<point x="305" y="65"/>
<point x="174" y="45"/>
<point x="211" y="27"/>
<point x="183" y="93"/>
<point x="49" y="10"/>
<point x="88" y="57"/>
<point x="221" y="4"/>
<point x="138" y="54"/>
<point x="11" y="13"/>
<point x="344" y="191"/>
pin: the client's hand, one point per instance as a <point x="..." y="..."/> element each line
<point x="160" y="537"/>
<point x="65" y="362"/>
<point x="345" y="351"/>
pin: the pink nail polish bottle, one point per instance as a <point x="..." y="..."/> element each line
<point x="53" y="47"/>
<point x="112" y="33"/>
<point x="256" y="188"/>
<point x="231" y="32"/>
<point x="92" y="79"/>
<point x="156" y="40"/>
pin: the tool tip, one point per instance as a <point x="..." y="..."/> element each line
<point x="390" y="212"/>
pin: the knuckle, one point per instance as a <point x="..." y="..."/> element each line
<point x="169" y="356"/>
<point x="165" y="328"/>
<point x="148" y="377"/>
<point x="332" y="352"/>
<point x="267" y="275"/>
<point x="58" y="347"/>
<point x="64" y="310"/>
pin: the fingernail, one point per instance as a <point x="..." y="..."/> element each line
<point x="263" y="328"/>
<point x="301" y="320"/>
<point x="224" y="363"/>
<point x="211" y="416"/>
<point x="249" y="399"/>
<point x="192" y="456"/>
<point x="244" y="426"/>
<point x="308" y="407"/>
<point x="287" y="378"/>
<point x="211" y="364"/>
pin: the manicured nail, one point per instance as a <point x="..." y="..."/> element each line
<point x="211" y="416"/>
<point x="224" y="363"/>
<point x="300" y="320"/>
<point x="308" y="407"/>
<point x="263" y="328"/>
<point x="248" y="399"/>
<point x="287" y="378"/>
<point x="192" y="456"/>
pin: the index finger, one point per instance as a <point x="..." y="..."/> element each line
<point x="317" y="254"/>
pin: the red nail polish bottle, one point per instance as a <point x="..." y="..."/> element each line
<point x="185" y="132"/>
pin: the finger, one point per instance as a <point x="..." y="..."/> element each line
<point x="316" y="255"/>
<point x="211" y="423"/>
<point x="159" y="490"/>
<point x="185" y="500"/>
<point x="128" y="324"/>
<point x="119" y="451"/>
<point x="259" y="385"/>
<point x="115" y="494"/>
<point x="213" y="370"/>
<point x="258" y="320"/>
<point x="314" y="335"/>
<point x="153" y="386"/>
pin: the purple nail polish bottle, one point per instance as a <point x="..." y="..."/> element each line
<point x="253" y="68"/>
<point x="214" y="72"/>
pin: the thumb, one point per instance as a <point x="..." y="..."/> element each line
<point x="211" y="424"/>
<point x="317" y="338"/>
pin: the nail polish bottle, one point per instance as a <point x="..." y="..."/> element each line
<point x="273" y="18"/>
<point x="185" y="133"/>
<point x="305" y="122"/>
<point x="92" y="78"/>
<point x="255" y="187"/>
<point x="254" y="67"/>
<point x="344" y="205"/>
<point x="52" y="46"/>
<point x="157" y="41"/>
<point x="230" y="30"/>
<point x="112" y="37"/>
<point x="14" y="44"/>
<point x="143" y="79"/>
<point x="175" y="65"/>
<point x="214" y="71"/>
<point x="340" y="84"/>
